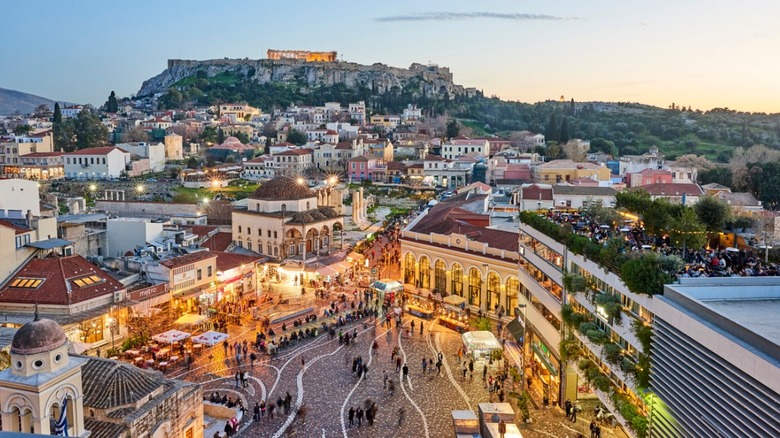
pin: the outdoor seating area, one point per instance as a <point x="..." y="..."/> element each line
<point x="170" y="349"/>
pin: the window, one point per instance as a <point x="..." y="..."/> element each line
<point x="249" y="246"/>
<point x="425" y="272"/>
<point x="457" y="280"/>
<point x="200" y="274"/>
<point x="239" y="229"/>
<point x="269" y="249"/>
<point x="27" y="283"/>
<point x="89" y="280"/>
<point x="275" y="234"/>
<point x="269" y="233"/>
<point x="409" y="268"/>
<point x="260" y="248"/>
<point x="248" y="231"/>
<point x="475" y="286"/>
<point x="260" y="230"/>
<point x="209" y="271"/>
<point x="440" y="276"/>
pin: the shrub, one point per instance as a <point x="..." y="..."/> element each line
<point x="613" y="353"/>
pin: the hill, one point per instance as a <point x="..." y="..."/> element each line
<point x="622" y="128"/>
<point x="12" y="101"/>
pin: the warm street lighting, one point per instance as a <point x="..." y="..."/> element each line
<point x="92" y="187"/>
<point x="205" y="200"/>
<point x="215" y="183"/>
<point x="300" y="181"/>
<point x="333" y="179"/>
<point x="139" y="188"/>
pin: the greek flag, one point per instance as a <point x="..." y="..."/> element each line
<point x="61" y="426"/>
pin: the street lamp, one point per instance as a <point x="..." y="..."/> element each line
<point x="139" y="188"/>
<point x="111" y="327"/>
<point x="300" y="181"/>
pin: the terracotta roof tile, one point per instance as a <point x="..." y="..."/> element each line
<point x="187" y="259"/>
<point x="96" y="151"/>
<point x="229" y="260"/>
<point x="218" y="242"/>
<point x="66" y="280"/>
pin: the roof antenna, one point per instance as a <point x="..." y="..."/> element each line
<point x="37" y="318"/>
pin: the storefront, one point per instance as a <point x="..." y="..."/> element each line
<point x="544" y="369"/>
<point x="452" y="315"/>
<point x="419" y="305"/>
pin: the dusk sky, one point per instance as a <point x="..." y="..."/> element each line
<point x="705" y="54"/>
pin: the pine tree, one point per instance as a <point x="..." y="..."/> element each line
<point x="112" y="106"/>
<point x="563" y="135"/>
<point x="552" y="133"/>
<point x="572" y="111"/>
<point x="220" y="136"/>
<point x="57" y="113"/>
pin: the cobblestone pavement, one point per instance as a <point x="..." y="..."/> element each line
<point x="317" y="374"/>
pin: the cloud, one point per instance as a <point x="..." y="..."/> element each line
<point x="451" y="16"/>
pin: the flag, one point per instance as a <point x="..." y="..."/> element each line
<point x="61" y="426"/>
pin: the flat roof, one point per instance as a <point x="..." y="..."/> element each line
<point x="49" y="243"/>
<point x="746" y="308"/>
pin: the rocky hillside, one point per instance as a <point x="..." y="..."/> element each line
<point x="431" y="80"/>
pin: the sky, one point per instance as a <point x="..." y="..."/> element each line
<point x="703" y="53"/>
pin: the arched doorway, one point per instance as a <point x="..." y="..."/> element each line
<point x="493" y="298"/>
<point x="425" y="272"/>
<point x="475" y="286"/>
<point x="440" y="276"/>
<point x="512" y="294"/>
<point x="409" y="268"/>
<point x="457" y="279"/>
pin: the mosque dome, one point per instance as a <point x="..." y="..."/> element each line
<point x="38" y="336"/>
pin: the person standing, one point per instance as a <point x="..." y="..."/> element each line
<point x="352" y="416"/>
<point x="567" y="406"/>
<point x="424" y="365"/>
<point x="412" y="326"/>
<point x="398" y="364"/>
<point x="471" y="368"/>
<point x="501" y="429"/>
<point x="384" y="379"/>
<point x="359" y="415"/>
<point x="237" y="378"/>
<point x="421" y="327"/>
<point x="256" y="416"/>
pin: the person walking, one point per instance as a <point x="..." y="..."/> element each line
<point x="412" y="327"/>
<point x="424" y="365"/>
<point x="438" y="367"/>
<point x="351" y="416"/>
<point x="567" y="407"/>
<point x="262" y="408"/>
<point x="398" y="364"/>
<point x="384" y="379"/>
<point x="401" y="416"/>
<point x="484" y="373"/>
<point x="501" y="429"/>
<point x="406" y="372"/>
<point x="421" y="327"/>
<point x="256" y="415"/>
<point x="465" y="370"/>
<point x="359" y="415"/>
<point x="471" y="368"/>
<point x="237" y="378"/>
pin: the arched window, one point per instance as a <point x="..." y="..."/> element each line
<point x="493" y="292"/>
<point x="457" y="279"/>
<point x="409" y="268"/>
<point x="440" y="276"/>
<point x="425" y="272"/>
<point x="512" y="294"/>
<point x="475" y="286"/>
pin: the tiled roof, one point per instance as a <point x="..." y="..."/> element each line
<point x="42" y="154"/>
<point x="673" y="189"/>
<point x="218" y="242"/>
<point x="96" y="151"/>
<point x="111" y="384"/>
<point x="203" y="230"/>
<point x="431" y="157"/>
<point x="17" y="229"/>
<point x="187" y="259"/>
<point x="229" y="260"/>
<point x="568" y="164"/>
<point x="61" y="277"/>
<point x="104" y="429"/>
<point x="444" y="219"/>
<point x="303" y="151"/>
<point x="562" y="189"/>
<point x="739" y="199"/>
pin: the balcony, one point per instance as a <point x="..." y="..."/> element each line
<point x="549" y="300"/>
<point x="542" y="264"/>
<point x="614" y="369"/>
<point x="623" y="329"/>
<point x="551" y="336"/>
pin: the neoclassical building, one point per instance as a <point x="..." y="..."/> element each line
<point x="284" y="219"/>
<point x="448" y="249"/>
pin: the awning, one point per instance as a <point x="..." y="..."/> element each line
<point x="545" y="360"/>
<point x="455" y="301"/>
<point x="326" y="270"/>
<point x="210" y="338"/>
<point x="191" y="319"/>
<point x="516" y="328"/>
<point x="171" y="336"/>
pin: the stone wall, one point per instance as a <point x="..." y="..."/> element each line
<point x="145" y="209"/>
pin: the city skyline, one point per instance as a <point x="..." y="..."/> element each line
<point x="697" y="54"/>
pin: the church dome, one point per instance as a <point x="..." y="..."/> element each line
<point x="38" y="336"/>
<point x="283" y="189"/>
<point x="231" y="140"/>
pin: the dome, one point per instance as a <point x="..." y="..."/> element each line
<point x="38" y="336"/>
<point x="283" y="189"/>
<point x="231" y="140"/>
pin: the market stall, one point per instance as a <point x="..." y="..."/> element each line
<point x="465" y="423"/>
<point x="210" y="338"/>
<point x="171" y="336"/>
<point x="480" y="344"/>
<point x="386" y="289"/>
<point x="451" y="313"/>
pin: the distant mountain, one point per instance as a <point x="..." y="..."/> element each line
<point x="12" y="101"/>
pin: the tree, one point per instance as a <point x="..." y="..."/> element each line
<point x="713" y="213"/>
<point x="209" y="135"/>
<point x="574" y="151"/>
<point x="89" y="130"/>
<point x="552" y="133"/>
<point x="599" y="144"/>
<point x="648" y="273"/>
<point x="687" y="231"/>
<point x="111" y="105"/>
<point x="134" y="135"/>
<point x="41" y="109"/>
<point x="699" y="162"/>
<point x="296" y="137"/>
<point x="718" y="175"/>
<point x="242" y="137"/>
<point x="563" y="135"/>
<point x="22" y="129"/>
<point x="57" y="113"/>
<point x="763" y="180"/>
<point x="453" y="130"/>
<point x="220" y="136"/>
<point x="193" y="163"/>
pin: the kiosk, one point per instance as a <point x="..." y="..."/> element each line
<point x="452" y="315"/>
<point x="480" y="344"/>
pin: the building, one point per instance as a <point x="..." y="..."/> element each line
<point x="261" y="167"/>
<point x="155" y="152"/>
<point x="19" y="196"/>
<point x="653" y="159"/>
<point x="716" y="358"/>
<point x="126" y="234"/>
<point x="534" y="197"/>
<point x="577" y="197"/>
<point x="100" y="397"/>
<point x="676" y="193"/>
<point x="302" y="55"/>
<point x="365" y="169"/>
<point x="231" y="146"/>
<point x="173" y="147"/>
<point x="648" y="176"/>
<point x="69" y="111"/>
<point x="192" y="279"/>
<point x="558" y="171"/>
<point x="293" y="162"/>
<point x="459" y="146"/>
<point x="238" y="112"/>
<point x="386" y="121"/>
<point x="13" y="149"/>
<point x="96" y="163"/>
<point x="438" y="171"/>
<point x="448" y="249"/>
<point x="286" y="220"/>
<point x="323" y="135"/>
<point x="40" y="166"/>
